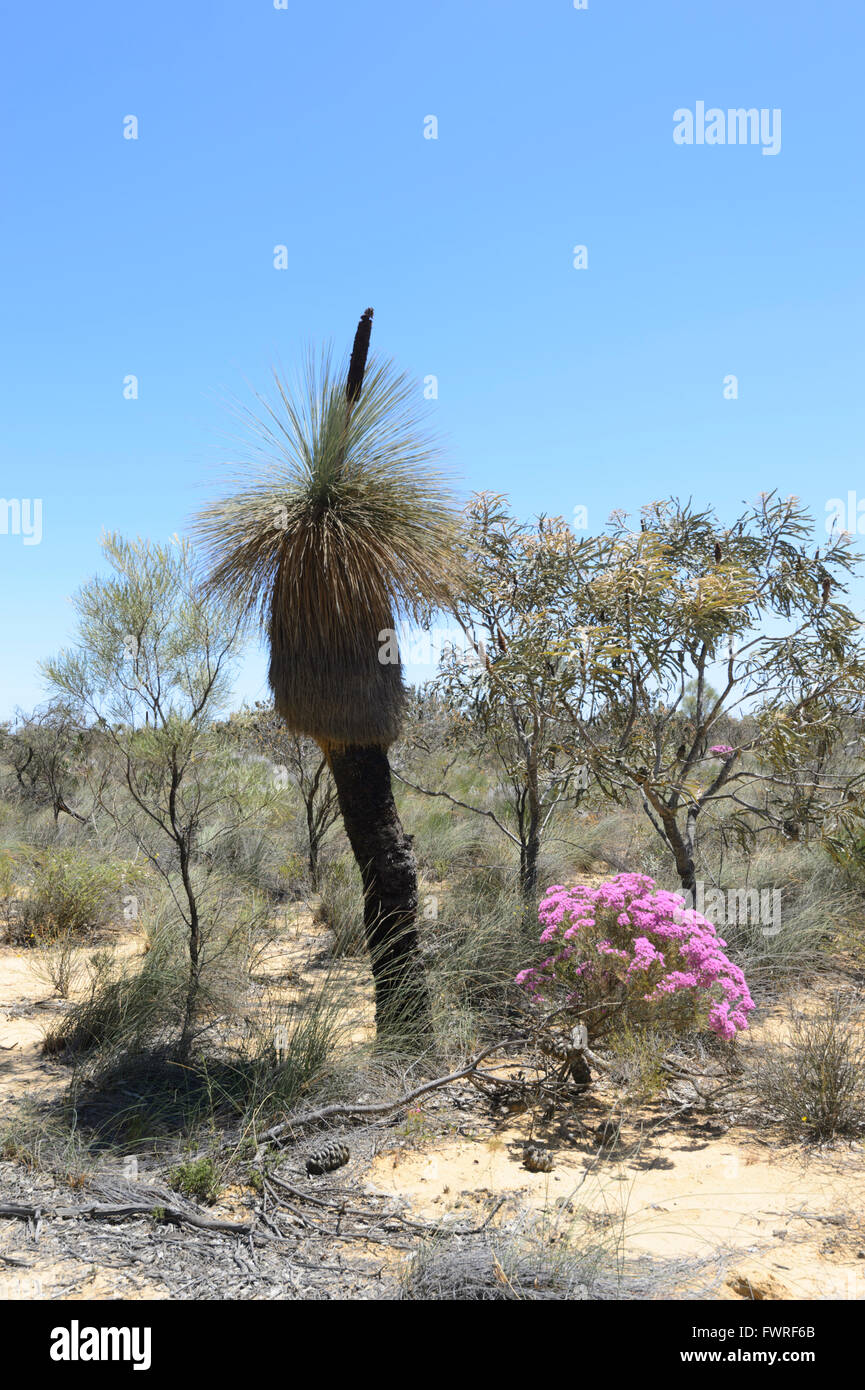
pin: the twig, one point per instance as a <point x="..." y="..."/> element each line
<point x="100" y="1211"/>
<point x="343" y="1210"/>
<point x="327" y="1112"/>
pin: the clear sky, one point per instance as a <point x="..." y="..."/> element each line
<point x="304" y="127"/>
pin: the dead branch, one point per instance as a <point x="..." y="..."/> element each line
<point x="100" y="1211"/>
<point x="327" y="1112"/>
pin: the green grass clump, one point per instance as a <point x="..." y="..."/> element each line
<point x="341" y="907"/>
<point x="199" y="1178"/>
<point x="70" y="894"/>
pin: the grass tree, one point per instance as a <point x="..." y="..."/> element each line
<point x="337" y="527"/>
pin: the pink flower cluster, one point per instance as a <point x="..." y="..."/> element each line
<point x="628" y="945"/>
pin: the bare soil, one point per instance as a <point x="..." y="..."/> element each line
<point x="784" y="1221"/>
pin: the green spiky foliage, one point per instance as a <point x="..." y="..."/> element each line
<point x="339" y="526"/>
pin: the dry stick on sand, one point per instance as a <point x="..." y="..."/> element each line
<point x="343" y="1110"/>
<point x="341" y="1209"/>
<point x="328" y="1112"/>
<point x="103" y="1212"/>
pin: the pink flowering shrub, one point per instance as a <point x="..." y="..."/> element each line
<point x="632" y="951"/>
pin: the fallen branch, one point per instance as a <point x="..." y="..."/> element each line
<point x="335" y="1204"/>
<point x="597" y="1061"/>
<point x="327" y="1112"/>
<point x="106" y="1213"/>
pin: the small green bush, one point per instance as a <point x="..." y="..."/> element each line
<point x="70" y="895"/>
<point x="199" y="1178"/>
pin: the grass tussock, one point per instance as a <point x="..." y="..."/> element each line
<point x="340" y="907"/>
<point x="479" y="933"/>
<point x="47" y="1141"/>
<point x="814" y="1080"/>
<point x="255" y="1060"/>
<point x="536" y="1259"/>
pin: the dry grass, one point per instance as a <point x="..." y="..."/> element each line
<point x="814" y="1079"/>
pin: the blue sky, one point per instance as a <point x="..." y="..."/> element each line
<point x="304" y="127"/>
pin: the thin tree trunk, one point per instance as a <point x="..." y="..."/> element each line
<point x="683" y="853"/>
<point x="313" y="842"/>
<point x="389" y="872"/>
<point x="530" y="860"/>
<point x="184" y="1046"/>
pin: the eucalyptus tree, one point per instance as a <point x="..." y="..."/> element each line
<point x="514" y="694"/>
<point x="697" y="624"/>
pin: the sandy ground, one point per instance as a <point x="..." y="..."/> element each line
<point x="27" y="1010"/>
<point x="792" y="1220"/>
<point x="795" y="1223"/>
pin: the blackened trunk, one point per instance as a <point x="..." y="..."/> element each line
<point x="389" y="872"/>
<point x="686" y="870"/>
<point x="529" y="853"/>
<point x="682" y="846"/>
<point x="312" y="841"/>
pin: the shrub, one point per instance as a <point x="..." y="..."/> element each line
<point x="60" y="963"/>
<point x="815" y="1081"/>
<point x="7" y="875"/>
<point x="9" y="904"/>
<point x="629" y="951"/>
<point x="199" y="1178"/>
<point x="70" y="895"/>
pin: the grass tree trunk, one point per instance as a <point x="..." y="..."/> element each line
<point x="383" y="851"/>
<point x="387" y="864"/>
